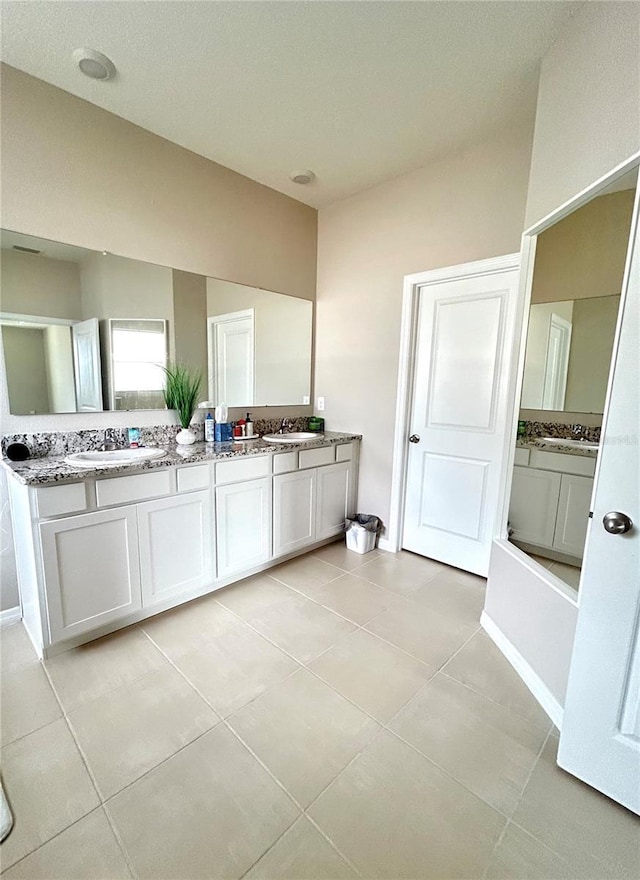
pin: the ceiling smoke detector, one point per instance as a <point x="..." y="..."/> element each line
<point x="94" y="64"/>
<point x="302" y="177"/>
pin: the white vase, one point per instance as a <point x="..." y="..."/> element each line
<point x="185" y="437"/>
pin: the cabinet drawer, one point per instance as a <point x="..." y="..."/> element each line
<point x="242" y="469"/>
<point x="344" y="452"/>
<point x="55" y="500"/>
<point x="191" y="478"/>
<point x="522" y="456"/>
<point x="285" y="462"/>
<point x="566" y="464"/>
<point x="316" y="457"/>
<point x="120" y="490"/>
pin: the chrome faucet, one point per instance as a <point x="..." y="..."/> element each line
<point x="286" y="425"/>
<point x="577" y="432"/>
<point x="109" y="442"/>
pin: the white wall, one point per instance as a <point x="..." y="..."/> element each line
<point x="587" y="122"/>
<point x="468" y="206"/>
<point x="58" y="354"/>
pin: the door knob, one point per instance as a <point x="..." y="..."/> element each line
<point x="414" y="438"/>
<point x="616" y="523"/>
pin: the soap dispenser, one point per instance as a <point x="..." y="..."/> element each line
<point x="248" y="426"/>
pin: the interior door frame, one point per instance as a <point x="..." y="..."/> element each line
<point x="212" y="356"/>
<point x="404" y="398"/>
<point x="528" y="251"/>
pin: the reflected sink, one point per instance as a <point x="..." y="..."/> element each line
<point x="572" y="444"/>
<point x="294" y="437"/>
<point x="113" y="457"/>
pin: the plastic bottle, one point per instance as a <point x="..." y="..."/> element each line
<point x="209" y="429"/>
<point x="248" y="426"/>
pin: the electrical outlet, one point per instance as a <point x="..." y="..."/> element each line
<point x="321" y="404"/>
<point x="306" y="400"/>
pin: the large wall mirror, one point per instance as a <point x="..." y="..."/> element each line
<point x="575" y="300"/>
<point x="84" y="331"/>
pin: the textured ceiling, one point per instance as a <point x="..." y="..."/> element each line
<point x="359" y="92"/>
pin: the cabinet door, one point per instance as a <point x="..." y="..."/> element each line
<point x="534" y="505"/>
<point x="332" y="499"/>
<point x="243" y="525"/>
<point x="294" y="511"/>
<point x="91" y="570"/>
<point x="175" y="537"/>
<point x="573" y="514"/>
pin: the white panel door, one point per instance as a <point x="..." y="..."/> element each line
<point x="458" y="419"/>
<point x="533" y="507"/>
<point x="243" y="525"/>
<point x="294" y="511"/>
<point x="91" y="570"/>
<point x="176" y="536"/>
<point x="573" y="514"/>
<point x="600" y="740"/>
<point x="232" y="358"/>
<point x="334" y="494"/>
<point x="87" y="369"/>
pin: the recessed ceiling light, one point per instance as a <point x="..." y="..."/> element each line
<point x="94" y="64"/>
<point x="302" y="177"/>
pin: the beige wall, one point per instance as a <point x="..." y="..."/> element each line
<point x="584" y="254"/>
<point x="588" y="113"/>
<point x="469" y="206"/>
<point x="594" y="326"/>
<point x="190" y="321"/>
<point x="92" y="179"/>
<point x="26" y="369"/>
<point x="33" y="285"/>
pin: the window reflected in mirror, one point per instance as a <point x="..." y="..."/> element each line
<point x="575" y="300"/>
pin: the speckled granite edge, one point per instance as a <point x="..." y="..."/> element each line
<point x="535" y="430"/>
<point x="535" y="443"/>
<point x="47" y="470"/>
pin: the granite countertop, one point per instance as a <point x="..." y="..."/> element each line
<point x="557" y="446"/>
<point x="50" y="469"/>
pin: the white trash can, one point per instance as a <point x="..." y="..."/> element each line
<point x="362" y="532"/>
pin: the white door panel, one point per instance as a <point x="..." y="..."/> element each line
<point x="232" y="358"/>
<point x="87" y="370"/>
<point x="465" y="327"/>
<point x="600" y="740"/>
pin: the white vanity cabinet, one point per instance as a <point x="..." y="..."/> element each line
<point x="550" y="500"/>
<point x="243" y="517"/>
<point x="294" y="511"/>
<point x="91" y="570"/>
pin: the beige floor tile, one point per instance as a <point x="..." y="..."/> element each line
<point x="87" y="850"/>
<point x="237" y="666"/>
<point x="395" y="815"/>
<point x="253" y="595"/>
<point x="27" y="702"/>
<point x="519" y="855"/>
<point x="306" y="573"/>
<point x="47" y="786"/>
<point x="354" y="598"/>
<point x="570" y="574"/>
<point x="348" y="560"/>
<point x="301" y="627"/>
<point x="454" y="593"/>
<point x="209" y="812"/>
<point x="188" y="627"/>
<point x="15" y="648"/>
<point x="402" y="573"/>
<point x="372" y="674"/>
<point x="301" y="854"/>
<point x="132" y="729"/>
<point x="426" y="634"/>
<point x="482" y="667"/>
<point x="304" y="733"/>
<point x="484" y="746"/>
<point x="98" y="667"/>
<point x="575" y="820"/>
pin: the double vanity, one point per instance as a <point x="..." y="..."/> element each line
<point x="102" y="545"/>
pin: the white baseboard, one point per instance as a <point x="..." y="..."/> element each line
<point x="10" y="615"/>
<point x="385" y="544"/>
<point x="531" y="678"/>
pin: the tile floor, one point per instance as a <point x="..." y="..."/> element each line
<point x="341" y="716"/>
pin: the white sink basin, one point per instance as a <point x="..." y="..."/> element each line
<point x="572" y="444"/>
<point x="293" y="437"/>
<point x="113" y="457"/>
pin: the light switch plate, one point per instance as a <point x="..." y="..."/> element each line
<point x="321" y="404"/>
<point x="306" y="400"/>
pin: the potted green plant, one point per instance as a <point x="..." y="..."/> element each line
<point x="181" y="393"/>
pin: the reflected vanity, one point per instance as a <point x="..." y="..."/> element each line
<point x="84" y="331"/>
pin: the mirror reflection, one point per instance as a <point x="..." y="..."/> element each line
<point x="575" y="299"/>
<point x="84" y="331"/>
